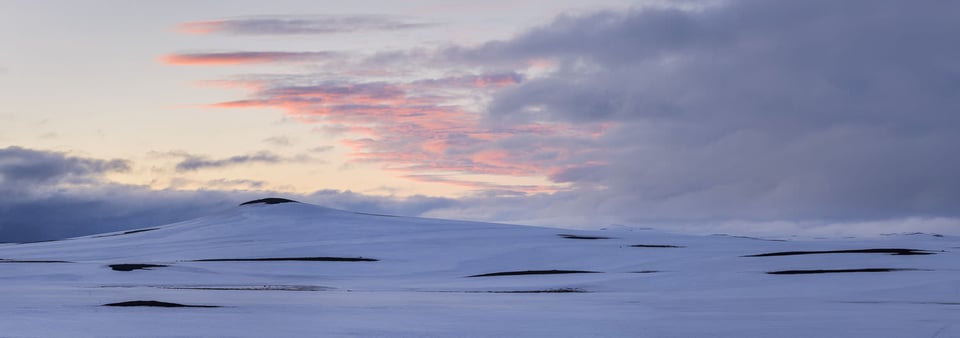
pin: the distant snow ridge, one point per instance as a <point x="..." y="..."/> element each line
<point x="300" y="270"/>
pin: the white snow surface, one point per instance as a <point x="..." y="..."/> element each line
<point x="419" y="285"/>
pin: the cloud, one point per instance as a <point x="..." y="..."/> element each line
<point x="22" y="168"/>
<point x="390" y="205"/>
<point x="53" y="208"/>
<point x="52" y="195"/>
<point x="498" y="189"/>
<point x="237" y="58"/>
<point x="741" y="112"/>
<point x="279" y="141"/>
<point x="420" y="126"/>
<point x="195" y="162"/>
<point x="221" y="184"/>
<point x="748" y="110"/>
<point x="494" y="80"/>
<point x="297" y="25"/>
<point x="321" y="149"/>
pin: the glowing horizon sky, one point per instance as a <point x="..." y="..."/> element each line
<point x="749" y="114"/>
<point x="116" y="80"/>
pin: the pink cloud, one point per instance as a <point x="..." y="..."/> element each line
<point x="201" y="27"/>
<point x="238" y="58"/>
<point x="416" y="128"/>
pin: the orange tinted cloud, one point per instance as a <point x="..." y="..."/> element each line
<point x="416" y="128"/>
<point x="200" y="27"/>
<point x="237" y="58"/>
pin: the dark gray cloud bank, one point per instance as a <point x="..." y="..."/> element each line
<point x="765" y="114"/>
<point x="754" y="110"/>
<point x="51" y="195"/>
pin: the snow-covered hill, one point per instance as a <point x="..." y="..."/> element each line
<point x="299" y="270"/>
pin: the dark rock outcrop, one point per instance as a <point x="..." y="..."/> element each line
<point x="269" y="200"/>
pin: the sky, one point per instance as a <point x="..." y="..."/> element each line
<point x="826" y="117"/>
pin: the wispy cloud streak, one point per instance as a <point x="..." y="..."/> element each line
<point x="498" y="189"/>
<point x="195" y="162"/>
<point x="297" y="25"/>
<point x="237" y="58"/>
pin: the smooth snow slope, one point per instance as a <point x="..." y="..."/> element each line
<point x="400" y="276"/>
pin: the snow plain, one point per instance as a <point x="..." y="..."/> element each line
<point x="385" y="276"/>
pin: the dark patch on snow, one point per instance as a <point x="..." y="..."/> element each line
<point x="30" y="261"/>
<point x="127" y="232"/>
<point x="559" y="290"/>
<point x="568" y="236"/>
<point x="655" y="246"/>
<point x="235" y="287"/>
<point x="378" y="215"/>
<point x="138" y="231"/>
<point x="154" y="303"/>
<point x="276" y="259"/>
<point x="753" y="238"/>
<point x="891" y="251"/>
<point x="911" y="234"/>
<point x="131" y="267"/>
<point x="43" y="241"/>
<point x="897" y="302"/>
<point x="806" y="272"/>
<point x="531" y="272"/>
<point x="646" y="271"/>
<point x="269" y="200"/>
<point x="251" y="288"/>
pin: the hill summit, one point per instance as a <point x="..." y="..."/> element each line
<point x="269" y="200"/>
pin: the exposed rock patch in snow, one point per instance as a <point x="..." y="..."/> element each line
<point x="131" y="267"/>
<point x="531" y="272"/>
<point x="269" y="200"/>
<point x="126" y="232"/>
<point x="154" y="303"/>
<point x="893" y="252"/>
<point x="280" y="259"/>
<point x="568" y="236"/>
<point x="561" y="290"/>
<point x="249" y="287"/>
<point x="655" y="246"/>
<point x="809" y="272"/>
<point x="31" y="261"/>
